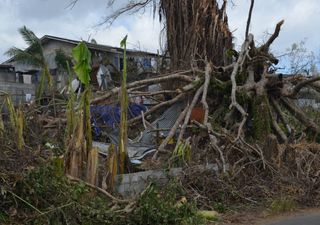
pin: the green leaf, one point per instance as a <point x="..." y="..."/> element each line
<point x="123" y="43"/>
<point x="82" y="56"/>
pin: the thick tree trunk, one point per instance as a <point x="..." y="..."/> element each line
<point x="196" y="29"/>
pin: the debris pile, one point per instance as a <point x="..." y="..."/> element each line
<point x="228" y="108"/>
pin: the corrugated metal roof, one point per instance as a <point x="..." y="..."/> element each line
<point x="166" y="121"/>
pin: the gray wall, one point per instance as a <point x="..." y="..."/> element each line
<point x="7" y="76"/>
<point x="18" y="91"/>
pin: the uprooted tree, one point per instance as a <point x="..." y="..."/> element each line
<point x="248" y="109"/>
<point x="246" y="97"/>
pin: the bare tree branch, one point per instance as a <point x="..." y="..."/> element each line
<point x="179" y="76"/>
<point x="72" y="4"/>
<point x="242" y="56"/>
<point x="276" y="127"/>
<point x="300" y="115"/>
<point x="302" y="84"/>
<point x="249" y="19"/>
<point x="278" y="110"/>
<point x="131" y="7"/>
<point x="266" y="46"/>
<point x="187" y="117"/>
<point x="155" y="108"/>
<point x="144" y="93"/>
<point x="205" y="92"/>
<point x="172" y="131"/>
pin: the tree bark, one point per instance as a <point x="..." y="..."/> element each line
<point x="196" y="29"/>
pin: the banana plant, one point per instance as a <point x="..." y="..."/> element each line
<point x="123" y="139"/>
<point x="16" y="117"/>
<point x="79" y="136"/>
<point x="82" y="68"/>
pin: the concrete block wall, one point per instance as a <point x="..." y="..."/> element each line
<point x="18" y="91"/>
<point x="129" y="185"/>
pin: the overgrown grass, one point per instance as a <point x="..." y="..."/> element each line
<point x="282" y="205"/>
<point x="46" y="197"/>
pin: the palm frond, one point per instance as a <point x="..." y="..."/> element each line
<point x="28" y="36"/>
<point x="35" y="49"/>
<point x="24" y="57"/>
<point x="33" y="42"/>
<point x="33" y="55"/>
<point x="62" y="60"/>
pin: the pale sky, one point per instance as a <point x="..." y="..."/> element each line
<point x="52" y="17"/>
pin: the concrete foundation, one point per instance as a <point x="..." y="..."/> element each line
<point x="129" y="185"/>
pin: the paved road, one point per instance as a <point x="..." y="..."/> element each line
<point x="312" y="219"/>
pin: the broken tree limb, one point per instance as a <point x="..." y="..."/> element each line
<point x="159" y="79"/>
<point x="266" y="46"/>
<point x="156" y="107"/>
<point x="280" y="132"/>
<point x="276" y="127"/>
<point x="210" y="131"/>
<point x="71" y="178"/>
<point x="181" y="95"/>
<point x="145" y="123"/>
<point x="190" y="86"/>
<point x="137" y="88"/>
<point x="249" y="19"/>
<point x="187" y="117"/>
<point x="144" y="93"/>
<point x="215" y="146"/>
<point x="302" y="84"/>
<point x="171" y="132"/>
<point x="208" y="70"/>
<point x="110" y="93"/>
<point x="279" y="112"/>
<point x="223" y="68"/>
<point x="244" y="50"/>
<point x="300" y="115"/>
<point x="315" y="86"/>
<point x="234" y="103"/>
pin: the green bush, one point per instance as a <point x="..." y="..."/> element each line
<point x="45" y="196"/>
<point x="161" y="206"/>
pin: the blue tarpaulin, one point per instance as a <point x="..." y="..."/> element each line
<point x="110" y="115"/>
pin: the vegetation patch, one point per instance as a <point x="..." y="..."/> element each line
<point x="43" y="196"/>
<point x="282" y="205"/>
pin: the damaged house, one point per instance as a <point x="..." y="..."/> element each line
<point x="18" y="84"/>
<point x="107" y="62"/>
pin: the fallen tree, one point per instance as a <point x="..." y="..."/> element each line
<point x="264" y="144"/>
<point x="243" y="98"/>
<point x="243" y="86"/>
